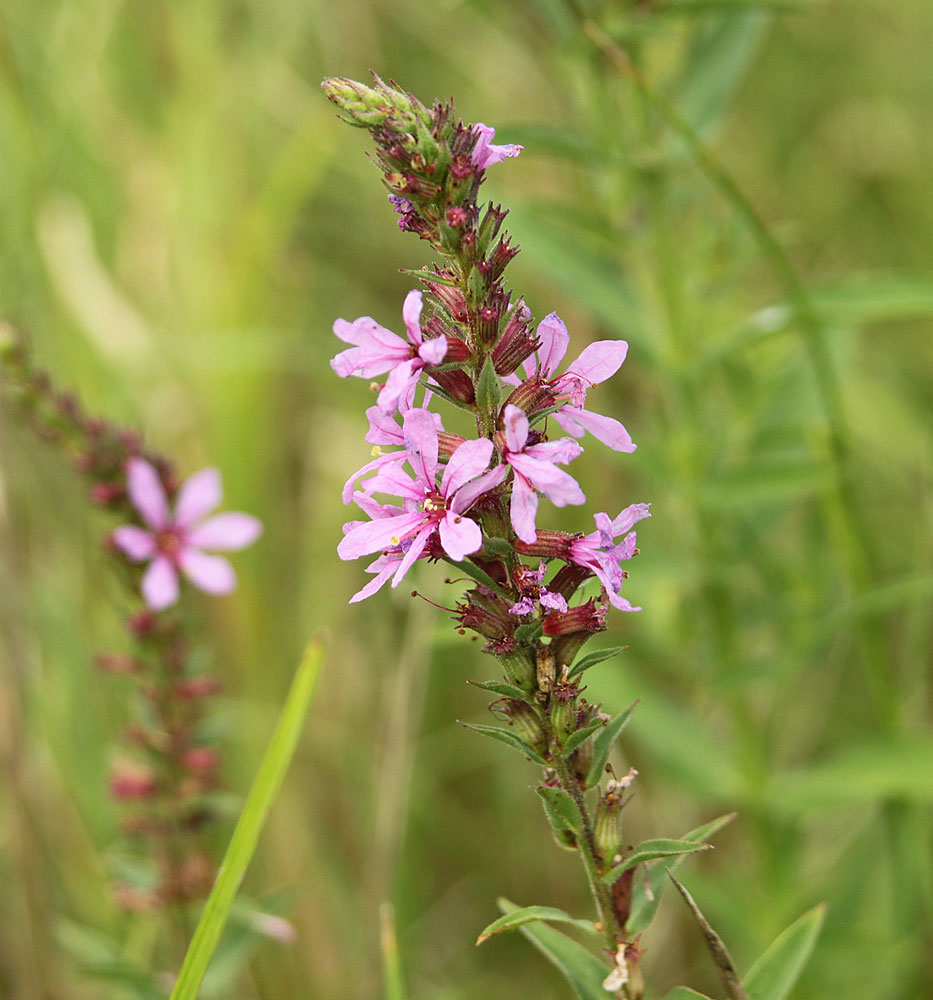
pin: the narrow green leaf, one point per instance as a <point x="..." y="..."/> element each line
<point x="479" y="575"/>
<point x="488" y="386"/>
<point x="393" y="986"/>
<point x="649" y="850"/>
<point x="684" y="993"/>
<point x="527" y="914"/>
<point x="715" y="946"/>
<point x="591" y="659"/>
<point x="246" y="835"/>
<point x="579" y="736"/>
<point x="773" y="975"/>
<point x="561" y="809"/>
<point x="646" y="892"/>
<point x="602" y="744"/>
<point x="502" y="687"/>
<point x="584" y="971"/>
<point x="508" y="737"/>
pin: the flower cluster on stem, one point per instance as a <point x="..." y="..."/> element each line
<point x="475" y="501"/>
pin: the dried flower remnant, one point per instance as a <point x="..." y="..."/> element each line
<point x="173" y="542"/>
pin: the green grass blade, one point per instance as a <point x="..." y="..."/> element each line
<point x="773" y="976"/>
<point x="392" y="982"/>
<point x="246" y="835"/>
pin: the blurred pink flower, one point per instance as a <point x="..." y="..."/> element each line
<point x="175" y="540"/>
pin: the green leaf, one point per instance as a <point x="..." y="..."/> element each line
<point x="246" y="835"/>
<point x="649" y="850"/>
<point x="591" y="659"/>
<point x="508" y="737"/>
<point x="488" y="386"/>
<point x="684" y="993"/>
<point x="579" y="736"/>
<point x="645" y="898"/>
<point x="561" y="809"/>
<point x="479" y="575"/>
<point x="722" y="49"/>
<point x="393" y="986"/>
<point x="773" y="975"/>
<point x="527" y="914"/>
<point x="528" y="633"/>
<point x="504" y="688"/>
<point x="602" y="744"/>
<point x="584" y="971"/>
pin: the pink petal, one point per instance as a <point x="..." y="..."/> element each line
<point x="226" y="532"/>
<point x="400" y="385"/>
<point x="383" y="567"/>
<point x="629" y="516"/>
<point x="606" y="429"/>
<point x="421" y="444"/>
<point x="198" y="496"/>
<point x="372" y="536"/>
<point x="160" y="584"/>
<point x="135" y="542"/>
<point x="433" y="351"/>
<point x="523" y="509"/>
<point x="460" y="536"/>
<point x="516" y="428"/>
<point x="418" y="545"/>
<point x="554" y="342"/>
<point x="467" y="495"/>
<point x="212" y="574"/>
<point x="470" y="460"/>
<point x="411" y="313"/>
<point x="147" y="493"/>
<point x="599" y="361"/>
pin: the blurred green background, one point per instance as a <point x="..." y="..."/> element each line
<point x="182" y="217"/>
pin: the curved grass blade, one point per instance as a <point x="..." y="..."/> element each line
<point x="773" y="975"/>
<point x="246" y="835"/>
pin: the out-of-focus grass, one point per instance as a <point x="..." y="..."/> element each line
<point x="182" y="218"/>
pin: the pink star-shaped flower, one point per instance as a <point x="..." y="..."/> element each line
<point x="174" y="541"/>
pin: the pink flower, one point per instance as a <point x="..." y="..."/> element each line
<point x="534" y="469"/>
<point x="429" y="509"/>
<point x="596" y="363"/>
<point x="599" y="553"/>
<point x="485" y="152"/>
<point x="175" y="540"/>
<point x="379" y="350"/>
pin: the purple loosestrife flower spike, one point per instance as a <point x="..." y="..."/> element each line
<point x="429" y="509"/>
<point x="534" y="469"/>
<point x="173" y="542"/>
<point x="599" y="552"/>
<point x="485" y="152"/>
<point x="378" y="350"/>
<point x="596" y="363"/>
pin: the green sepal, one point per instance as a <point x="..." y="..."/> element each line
<point x="649" y="850"/>
<point x="528" y="633"/>
<point x="498" y="546"/>
<point x="581" y="736"/>
<point x="507" y="737"/>
<point x="645" y="898"/>
<point x="591" y="659"/>
<point x="504" y="688"/>
<point x="602" y="744"/>
<point x="527" y="914"/>
<point x="488" y="387"/>
<point x="561" y="809"/>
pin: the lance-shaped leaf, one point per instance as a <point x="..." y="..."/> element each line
<point x="602" y="744"/>
<point x="684" y="993"/>
<point x="561" y="809"/>
<point x="503" y="688"/>
<point x="649" y="850"/>
<point x="714" y="945"/>
<point x="584" y="971"/>
<point x="507" y="737"/>
<point x="647" y="891"/>
<point x="591" y="659"/>
<point x="527" y="914"/>
<point x="579" y="736"/>
<point x="773" y="976"/>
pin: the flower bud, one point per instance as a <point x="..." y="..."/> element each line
<point x="525" y="720"/>
<point x="607" y="825"/>
<point x="519" y="668"/>
<point x="456" y="383"/>
<point x="367" y="107"/>
<point x="545" y="668"/>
